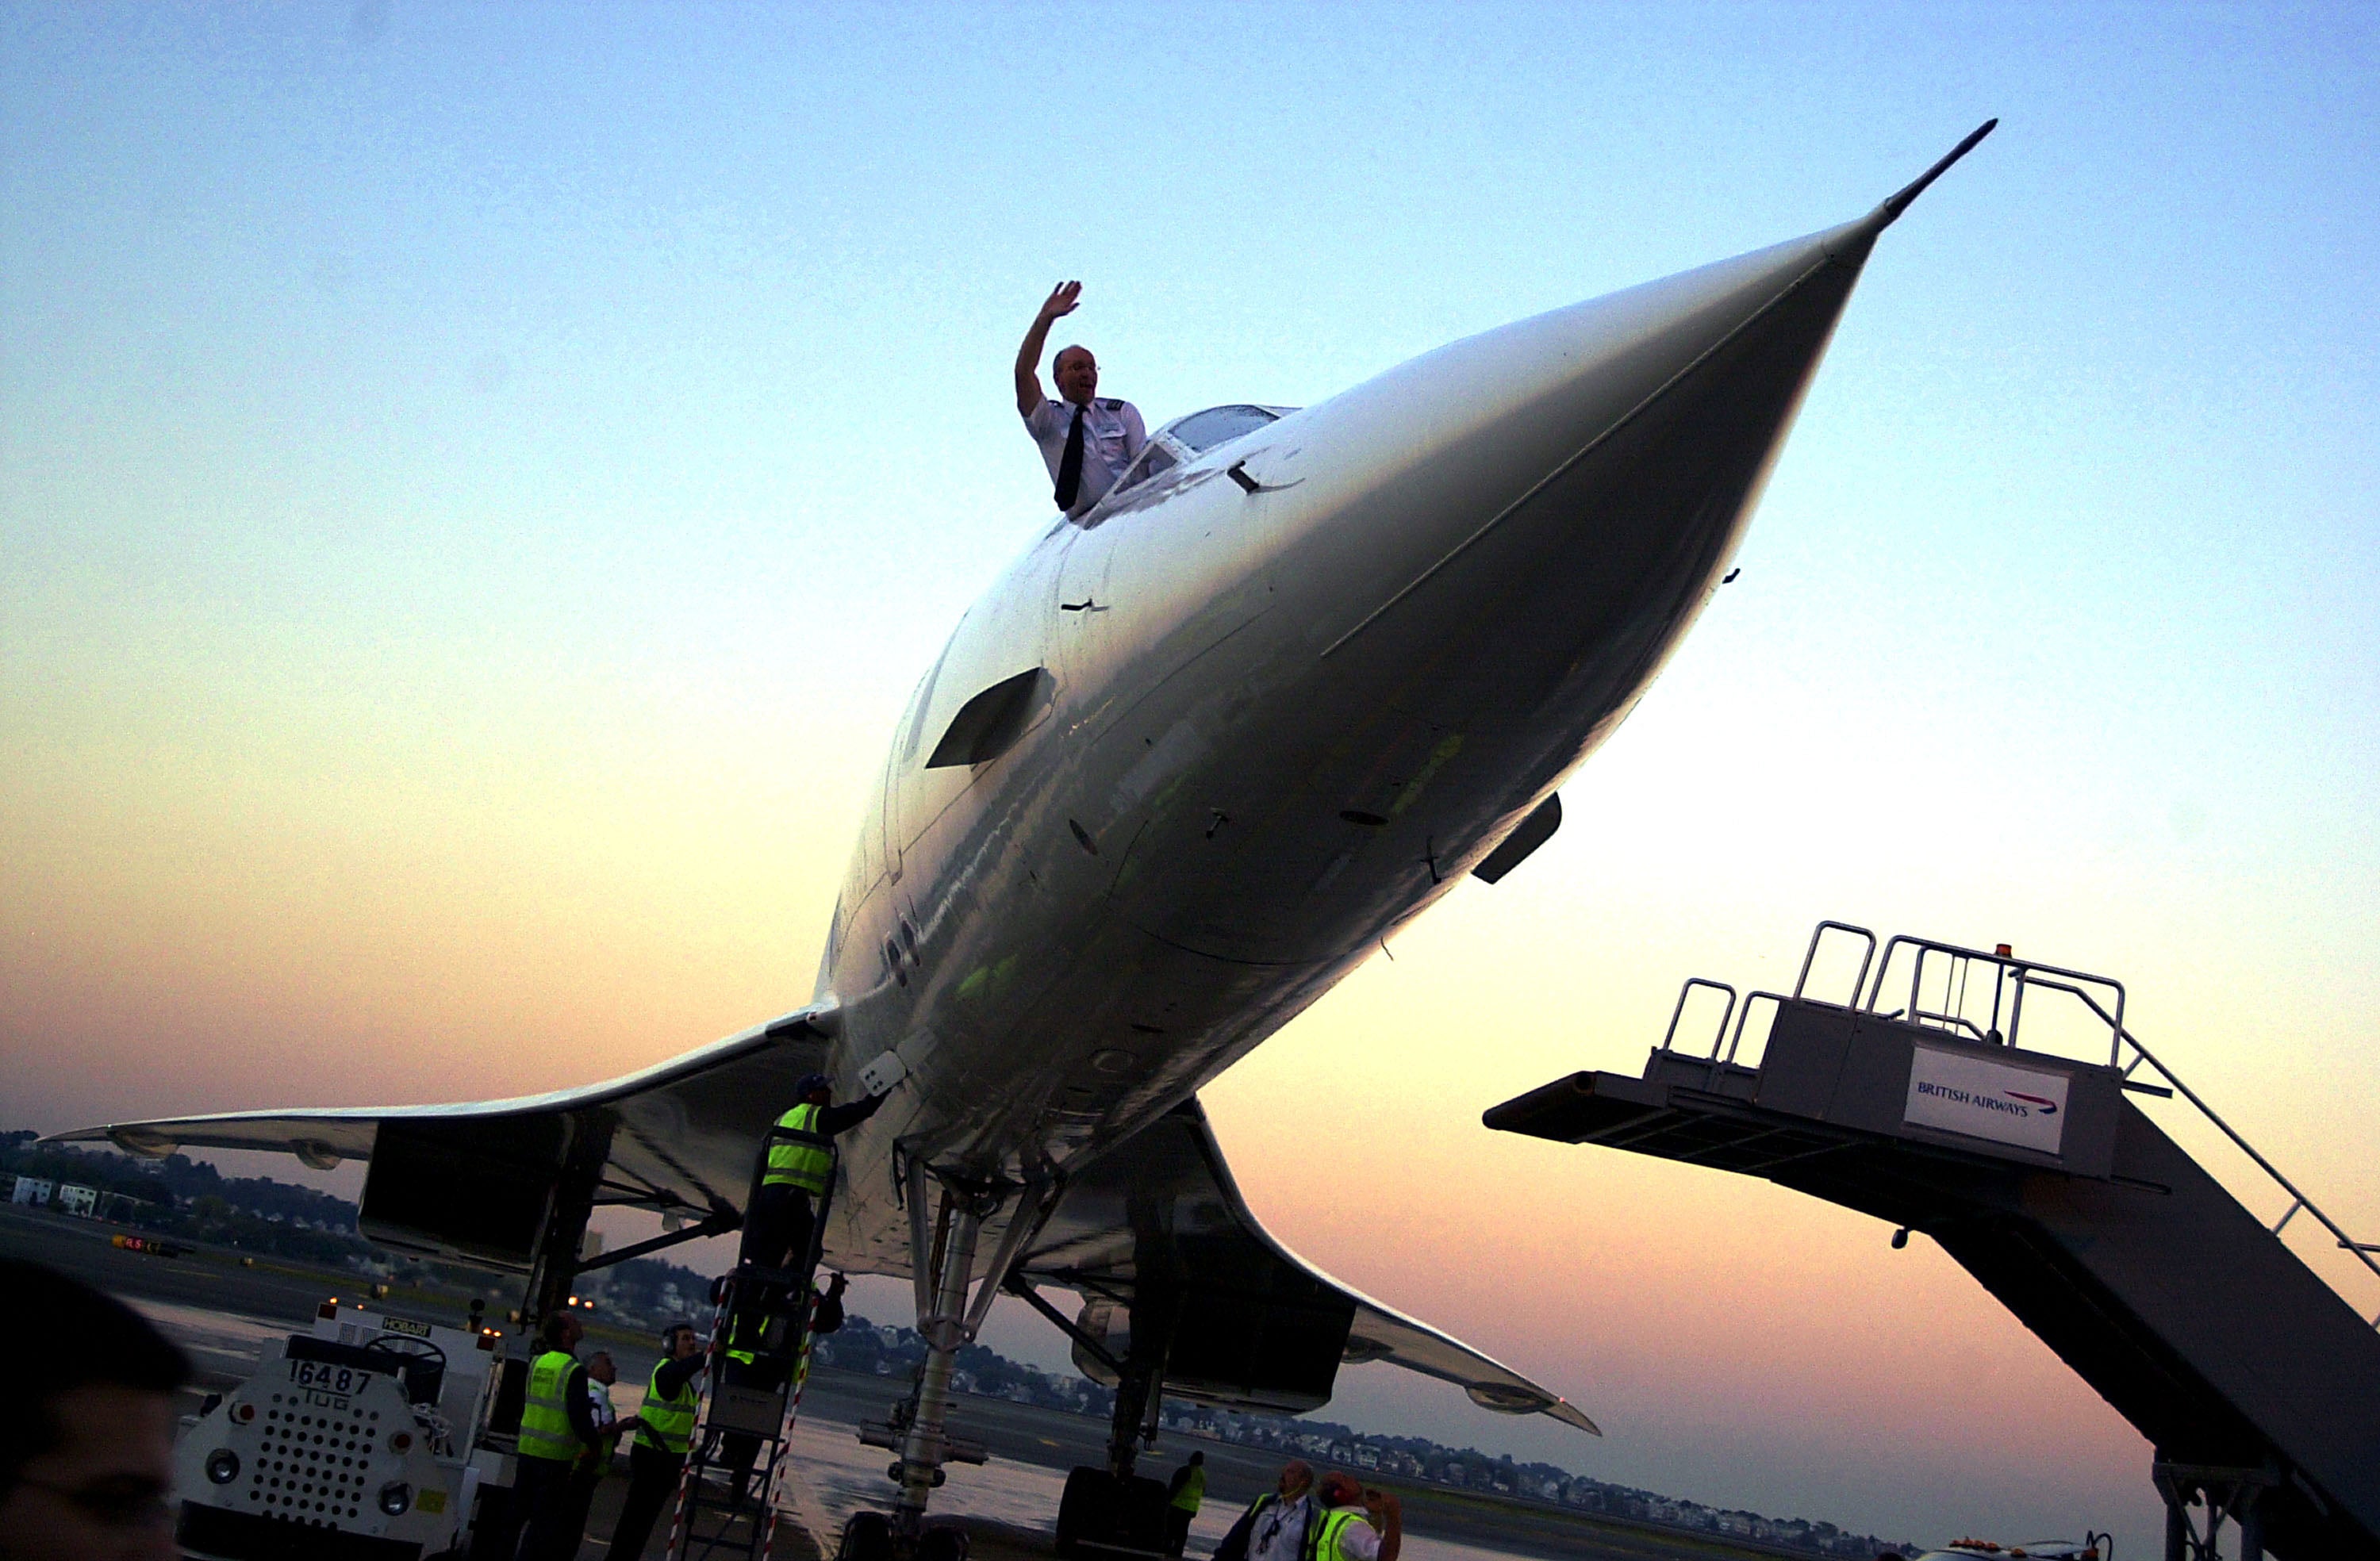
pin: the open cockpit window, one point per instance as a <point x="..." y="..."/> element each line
<point x="1157" y="457"/>
<point x="1186" y="439"/>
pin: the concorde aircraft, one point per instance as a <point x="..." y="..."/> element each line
<point x="1183" y="765"/>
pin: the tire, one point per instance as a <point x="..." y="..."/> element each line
<point x="866" y="1536"/>
<point x="1087" y="1510"/>
<point x="1138" y="1520"/>
<point x="942" y="1544"/>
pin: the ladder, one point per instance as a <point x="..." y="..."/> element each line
<point x="749" y="1408"/>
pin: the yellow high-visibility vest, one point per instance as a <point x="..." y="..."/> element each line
<point x="669" y="1422"/>
<point x="799" y="1155"/>
<point x="1323" y="1533"/>
<point x="545" y="1424"/>
<point x="1193" y="1491"/>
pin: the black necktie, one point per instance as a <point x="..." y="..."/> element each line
<point x="1070" y="464"/>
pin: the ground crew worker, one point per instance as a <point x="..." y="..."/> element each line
<point x="588" y="1470"/>
<point x="1355" y="1524"/>
<point x="1086" y="442"/>
<point x="87" y="1443"/>
<point x="556" y="1425"/>
<point x="1273" y="1527"/>
<point x="798" y="1161"/>
<point x="1184" y="1493"/>
<point x="745" y="1368"/>
<point x="664" y="1426"/>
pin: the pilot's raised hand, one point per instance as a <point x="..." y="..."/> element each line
<point x="1062" y="299"/>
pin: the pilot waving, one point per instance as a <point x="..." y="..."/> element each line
<point x="1086" y="441"/>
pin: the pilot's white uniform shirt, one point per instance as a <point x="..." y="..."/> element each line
<point x="1280" y="1530"/>
<point x="1112" y="435"/>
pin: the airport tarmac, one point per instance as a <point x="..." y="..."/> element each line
<point x="226" y="1315"/>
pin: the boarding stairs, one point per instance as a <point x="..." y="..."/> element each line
<point x="2253" y="1379"/>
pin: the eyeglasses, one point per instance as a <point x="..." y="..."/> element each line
<point x="128" y="1503"/>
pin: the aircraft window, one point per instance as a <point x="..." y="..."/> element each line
<point x="1220" y="425"/>
<point x="1154" y="460"/>
<point x="1184" y="438"/>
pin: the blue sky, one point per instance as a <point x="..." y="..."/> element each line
<point x="476" y="484"/>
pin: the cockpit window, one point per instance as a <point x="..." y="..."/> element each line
<point x="1184" y="438"/>
<point x="1220" y="425"/>
<point x="1154" y="460"/>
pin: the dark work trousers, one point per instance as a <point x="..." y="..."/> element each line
<point x="777" y="1228"/>
<point x="578" y="1500"/>
<point x="738" y="1450"/>
<point x="776" y="1235"/>
<point x="541" y="1495"/>
<point x="1177" y="1529"/>
<point x="652" y="1486"/>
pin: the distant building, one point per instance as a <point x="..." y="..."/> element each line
<point x="81" y="1202"/>
<point x="33" y="1191"/>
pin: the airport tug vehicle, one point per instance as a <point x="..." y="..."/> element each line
<point x="373" y="1436"/>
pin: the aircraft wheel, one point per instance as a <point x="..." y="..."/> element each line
<point x="1087" y="1510"/>
<point x="866" y="1536"/>
<point x="1138" y="1516"/>
<point x="942" y="1544"/>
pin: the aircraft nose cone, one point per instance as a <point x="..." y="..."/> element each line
<point x="1593" y="465"/>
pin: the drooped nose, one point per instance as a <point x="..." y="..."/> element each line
<point x="1611" y="450"/>
<point x="1599" y="462"/>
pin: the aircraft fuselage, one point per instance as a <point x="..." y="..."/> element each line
<point x="1295" y="689"/>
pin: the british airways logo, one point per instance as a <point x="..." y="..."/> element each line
<point x="1961" y="1091"/>
<point x="2013" y="1102"/>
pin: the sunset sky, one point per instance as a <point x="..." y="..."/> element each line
<point x="476" y="483"/>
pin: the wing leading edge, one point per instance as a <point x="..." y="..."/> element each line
<point x="675" y="1138"/>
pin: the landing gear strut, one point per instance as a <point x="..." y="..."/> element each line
<point x="944" y="1328"/>
<point x="944" y="1229"/>
<point x="1115" y="1508"/>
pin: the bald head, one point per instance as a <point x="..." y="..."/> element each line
<point x="1076" y="373"/>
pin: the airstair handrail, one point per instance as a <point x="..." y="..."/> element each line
<point x="2025" y="972"/>
<point x="1810" y="957"/>
<point x="1744" y="1013"/>
<point x="2362" y="1251"/>
<point x="1678" y="1012"/>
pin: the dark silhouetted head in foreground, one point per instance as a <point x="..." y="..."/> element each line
<point x="87" y="1448"/>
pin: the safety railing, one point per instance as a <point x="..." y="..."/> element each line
<point x="2013" y="980"/>
<point x="1722" y="1035"/>
<point x="2363" y="1251"/>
